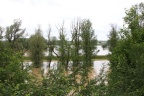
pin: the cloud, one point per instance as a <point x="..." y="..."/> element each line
<point x="44" y="12"/>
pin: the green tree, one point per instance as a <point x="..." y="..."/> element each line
<point x="64" y="49"/>
<point x="37" y="45"/>
<point x="1" y="32"/>
<point x="22" y="45"/>
<point x="89" y="42"/>
<point x="76" y="46"/>
<point x="13" y="33"/>
<point x="11" y="75"/>
<point x="126" y="61"/>
<point x="86" y="42"/>
<point x="113" y="38"/>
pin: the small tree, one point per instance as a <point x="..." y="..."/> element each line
<point x="89" y="42"/>
<point x="51" y="44"/>
<point x="113" y="38"/>
<point x="64" y="49"/>
<point x="76" y="29"/>
<point x="37" y="45"/>
<point x="1" y="32"/>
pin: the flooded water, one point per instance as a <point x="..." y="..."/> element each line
<point x="100" y="50"/>
<point x="97" y="65"/>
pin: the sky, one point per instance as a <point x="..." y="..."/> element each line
<point x="34" y="13"/>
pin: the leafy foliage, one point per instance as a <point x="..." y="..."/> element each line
<point x="13" y="33"/>
<point x="113" y="38"/>
<point x="126" y="61"/>
<point x="11" y="74"/>
<point x="37" y="46"/>
<point x="89" y="41"/>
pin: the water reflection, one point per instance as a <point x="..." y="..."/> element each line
<point x="97" y="65"/>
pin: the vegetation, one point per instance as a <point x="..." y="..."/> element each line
<point x="51" y="46"/>
<point x="72" y="75"/>
<point x="126" y="60"/>
<point x="37" y="46"/>
<point x="64" y="50"/>
<point x="12" y="78"/>
<point x="13" y="33"/>
<point x="113" y="38"/>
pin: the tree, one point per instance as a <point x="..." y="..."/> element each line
<point x="135" y="20"/>
<point x="13" y="36"/>
<point x="126" y="61"/>
<point x="13" y="33"/>
<point x="89" y="42"/>
<point x="37" y="45"/>
<point x="64" y="49"/>
<point x="76" y="46"/>
<point x="113" y="38"/>
<point x="51" y="43"/>
<point x="88" y="46"/>
<point x="15" y="39"/>
<point x="1" y="32"/>
<point x="12" y="78"/>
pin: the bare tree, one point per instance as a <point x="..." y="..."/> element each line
<point x="51" y="43"/>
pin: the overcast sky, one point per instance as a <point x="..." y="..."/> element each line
<point x="102" y="13"/>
